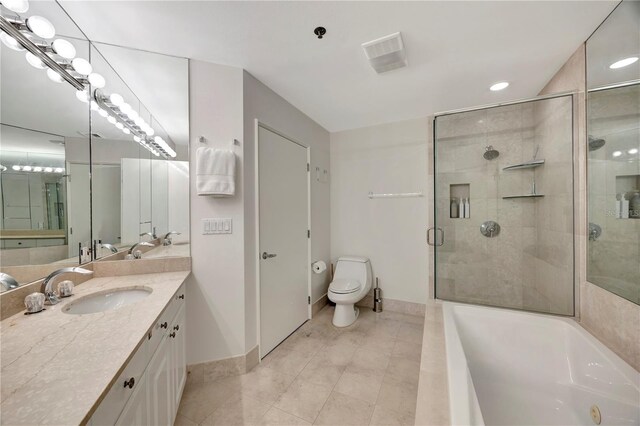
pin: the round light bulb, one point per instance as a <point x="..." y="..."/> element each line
<point x="119" y="125"/>
<point x="37" y="169"/>
<point x="499" y="86"/>
<point x="94" y="106"/>
<point x="125" y="108"/>
<point x="137" y="139"/>
<point x="17" y="6"/>
<point x="624" y="62"/>
<point x="139" y="122"/>
<point x="81" y="66"/>
<point x="40" y="26"/>
<point x="64" y="48"/>
<point x="133" y="114"/>
<point x="149" y="131"/>
<point x="633" y="151"/>
<point x="97" y="80"/>
<point x="48" y="169"/>
<point x="116" y="99"/>
<point x="34" y="61"/>
<point x="16" y="168"/>
<point x="10" y="42"/>
<point x="102" y="112"/>
<point x="54" y="76"/>
<point x="27" y="168"/>
<point x="59" y="170"/>
<point x="82" y="96"/>
<point x="617" y="153"/>
<point x="111" y="119"/>
<point x="126" y="131"/>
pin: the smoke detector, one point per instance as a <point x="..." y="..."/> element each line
<point x="386" y="53"/>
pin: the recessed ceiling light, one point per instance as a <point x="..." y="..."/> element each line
<point x="633" y="151"/>
<point x="623" y="62"/>
<point x="617" y="153"/>
<point x="499" y="86"/>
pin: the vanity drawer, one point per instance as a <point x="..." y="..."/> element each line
<point x="19" y="244"/>
<point x="159" y="328"/>
<point x="112" y="405"/>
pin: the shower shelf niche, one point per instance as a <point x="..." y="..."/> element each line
<point x="528" y="165"/>
<point x="523" y="196"/>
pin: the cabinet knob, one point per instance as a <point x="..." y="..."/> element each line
<point x="173" y="335"/>
<point x="164" y="325"/>
<point x="176" y="327"/>
<point x="129" y="383"/>
<point x="181" y="297"/>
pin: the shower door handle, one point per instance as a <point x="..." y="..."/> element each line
<point x="435" y="242"/>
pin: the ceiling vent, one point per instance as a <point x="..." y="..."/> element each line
<point x="386" y="53"/>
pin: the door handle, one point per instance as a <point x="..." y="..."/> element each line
<point x="435" y="242"/>
<point x="266" y="255"/>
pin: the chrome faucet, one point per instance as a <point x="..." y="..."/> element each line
<point x="7" y="281"/>
<point x="49" y="294"/>
<point x="166" y="241"/>
<point x="136" y="253"/>
<point x="151" y="234"/>
<point x="110" y="247"/>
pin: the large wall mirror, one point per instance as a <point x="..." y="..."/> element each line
<point x="44" y="188"/>
<point x="613" y="127"/>
<point x="140" y="192"/>
<point x="87" y="174"/>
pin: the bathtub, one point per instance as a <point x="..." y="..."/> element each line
<point x="516" y="368"/>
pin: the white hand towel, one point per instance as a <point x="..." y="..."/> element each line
<point x="215" y="172"/>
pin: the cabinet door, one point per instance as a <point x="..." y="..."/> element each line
<point x="179" y="350"/>
<point x="136" y="412"/>
<point x="159" y="385"/>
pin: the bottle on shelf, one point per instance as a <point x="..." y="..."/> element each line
<point x="454" y="210"/>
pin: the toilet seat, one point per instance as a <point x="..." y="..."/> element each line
<point x="343" y="286"/>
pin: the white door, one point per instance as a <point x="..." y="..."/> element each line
<point x="78" y="211"/>
<point x="284" y="263"/>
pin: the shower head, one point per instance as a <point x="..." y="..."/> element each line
<point x="490" y="153"/>
<point x="596" y="143"/>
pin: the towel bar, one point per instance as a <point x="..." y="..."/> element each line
<point x="397" y="195"/>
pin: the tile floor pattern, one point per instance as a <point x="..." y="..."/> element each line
<point x="365" y="374"/>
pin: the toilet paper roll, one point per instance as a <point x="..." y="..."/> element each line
<point x="319" y="267"/>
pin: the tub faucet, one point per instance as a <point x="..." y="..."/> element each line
<point x="136" y="253"/>
<point x="49" y="294"/>
<point x="7" y="281"/>
<point x="166" y="241"/>
<point x="110" y="247"/>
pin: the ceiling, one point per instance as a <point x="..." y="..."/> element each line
<point x="456" y="50"/>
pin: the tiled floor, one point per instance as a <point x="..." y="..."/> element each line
<point x="359" y="375"/>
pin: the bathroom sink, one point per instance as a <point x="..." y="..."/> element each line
<point x="106" y="300"/>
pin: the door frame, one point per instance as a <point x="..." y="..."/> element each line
<point x="257" y="125"/>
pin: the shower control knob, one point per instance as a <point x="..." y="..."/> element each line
<point x="490" y="229"/>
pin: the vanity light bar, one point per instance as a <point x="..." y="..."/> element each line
<point x="114" y="111"/>
<point x="13" y="30"/>
<point x="36" y="169"/>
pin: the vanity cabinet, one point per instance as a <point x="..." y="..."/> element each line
<point x="149" y="389"/>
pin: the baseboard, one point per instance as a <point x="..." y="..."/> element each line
<point x="211" y="371"/>
<point x="319" y="304"/>
<point x="392" y="305"/>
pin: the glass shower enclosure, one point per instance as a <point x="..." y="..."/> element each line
<point x="504" y="205"/>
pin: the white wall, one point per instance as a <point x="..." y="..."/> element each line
<point x="388" y="158"/>
<point x="215" y="289"/>
<point x="263" y="104"/>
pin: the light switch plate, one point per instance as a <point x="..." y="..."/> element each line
<point x="217" y="226"/>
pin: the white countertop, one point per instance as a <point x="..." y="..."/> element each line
<point x="57" y="366"/>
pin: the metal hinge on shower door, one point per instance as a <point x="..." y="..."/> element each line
<point x="309" y="300"/>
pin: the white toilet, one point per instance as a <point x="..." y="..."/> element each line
<point x="351" y="282"/>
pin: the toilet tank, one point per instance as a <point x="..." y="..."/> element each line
<point x="354" y="267"/>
